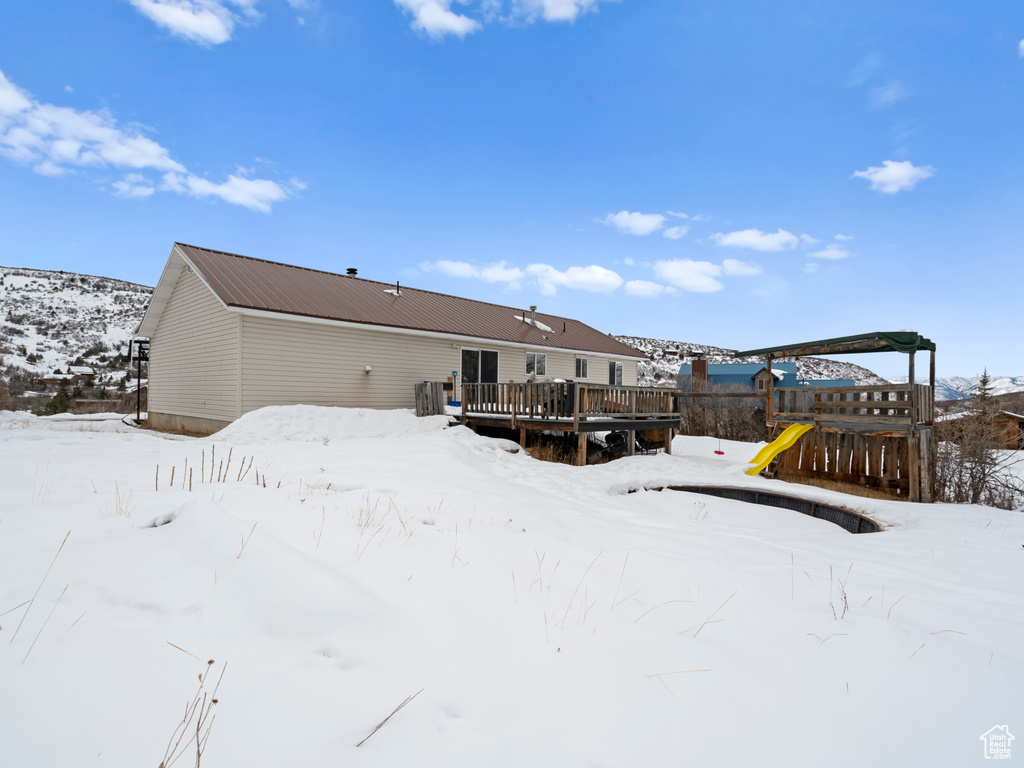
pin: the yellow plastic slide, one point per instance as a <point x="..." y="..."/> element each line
<point x="787" y="439"/>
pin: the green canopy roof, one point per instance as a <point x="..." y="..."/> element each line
<point x="879" y="341"/>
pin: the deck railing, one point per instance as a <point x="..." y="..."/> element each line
<point x="566" y="401"/>
<point x="885" y="404"/>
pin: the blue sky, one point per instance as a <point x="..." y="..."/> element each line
<point x="739" y="174"/>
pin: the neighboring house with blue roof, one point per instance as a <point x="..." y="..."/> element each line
<point x="753" y="376"/>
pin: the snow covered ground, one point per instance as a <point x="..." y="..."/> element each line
<point x="545" y="616"/>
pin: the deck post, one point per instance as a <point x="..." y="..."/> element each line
<point x="914" y="462"/>
<point x="631" y="438"/>
<point x="770" y="410"/>
<point x="522" y="437"/>
<point x="581" y="449"/>
<point x="669" y="433"/>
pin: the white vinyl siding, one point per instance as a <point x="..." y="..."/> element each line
<point x="194" y="355"/>
<point x="285" y="362"/>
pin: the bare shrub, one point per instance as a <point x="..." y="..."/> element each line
<point x="970" y="467"/>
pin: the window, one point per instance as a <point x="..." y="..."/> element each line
<point x="536" y="363"/>
<point x="615" y="373"/>
<point x="479" y="366"/>
<point x="760" y="384"/>
<point x="581" y="367"/>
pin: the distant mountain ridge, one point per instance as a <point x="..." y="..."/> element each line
<point x="662" y="368"/>
<point x="959" y="387"/>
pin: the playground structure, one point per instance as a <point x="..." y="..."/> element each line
<point x="874" y="436"/>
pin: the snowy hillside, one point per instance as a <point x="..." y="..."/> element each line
<point x="530" y="614"/>
<point x="50" y="319"/>
<point x="662" y="365"/>
<point x="959" y="387"/>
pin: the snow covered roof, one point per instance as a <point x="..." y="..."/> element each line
<point x="243" y="283"/>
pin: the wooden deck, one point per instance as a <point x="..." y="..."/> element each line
<point x="571" y="407"/>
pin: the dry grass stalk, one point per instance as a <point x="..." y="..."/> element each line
<point x="32" y="601"/>
<point x="621" y="576"/>
<point x="213" y="460"/>
<point x="156" y="481"/>
<point x="247" y="470"/>
<point x="245" y="540"/>
<point x="183" y="650"/>
<point x="381" y="723"/>
<point x="659" y="605"/>
<point x="893" y="606"/>
<point x="571" y="599"/>
<point x="122" y="503"/>
<point x="226" y="468"/>
<point x="708" y="620"/>
<point x="40" y="632"/>
<point x="72" y="625"/>
<point x="200" y="709"/>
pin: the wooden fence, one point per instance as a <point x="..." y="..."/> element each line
<point x="430" y="398"/>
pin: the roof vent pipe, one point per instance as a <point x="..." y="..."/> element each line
<point x="533" y="314"/>
<point x="351" y="271"/>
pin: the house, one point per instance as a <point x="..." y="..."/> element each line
<point x="750" y="376"/>
<point x="230" y="334"/>
<point x="754" y="376"/>
<point x="1011" y="430"/>
<point x="77" y="375"/>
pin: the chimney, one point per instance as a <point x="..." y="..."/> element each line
<point x="533" y="314"/>
<point x="351" y="271"/>
<point x="699" y="374"/>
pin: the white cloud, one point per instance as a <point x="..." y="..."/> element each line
<point x="736" y="268"/>
<point x="865" y="70"/>
<point x="887" y="94"/>
<point x="593" y="278"/>
<point x="207" y="22"/>
<point x="553" y="10"/>
<point x="894" y="176"/>
<point x="635" y="223"/>
<point x="646" y="288"/>
<point x="134" y="185"/>
<point x="436" y="19"/>
<point x="811" y="267"/>
<point x="1020" y="49"/>
<point x="692" y="276"/>
<point x="756" y="240"/>
<point x="677" y="214"/>
<point x="54" y="139"/>
<point x="700" y="217"/>
<point x="807" y="240"/>
<point x="498" y="272"/>
<point x="844" y="237"/>
<point x="833" y="251"/>
<point x="549" y="279"/>
<point x="675" y="233"/>
<point x="254" y="194"/>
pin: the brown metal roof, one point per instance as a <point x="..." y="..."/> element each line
<point x="248" y="283"/>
